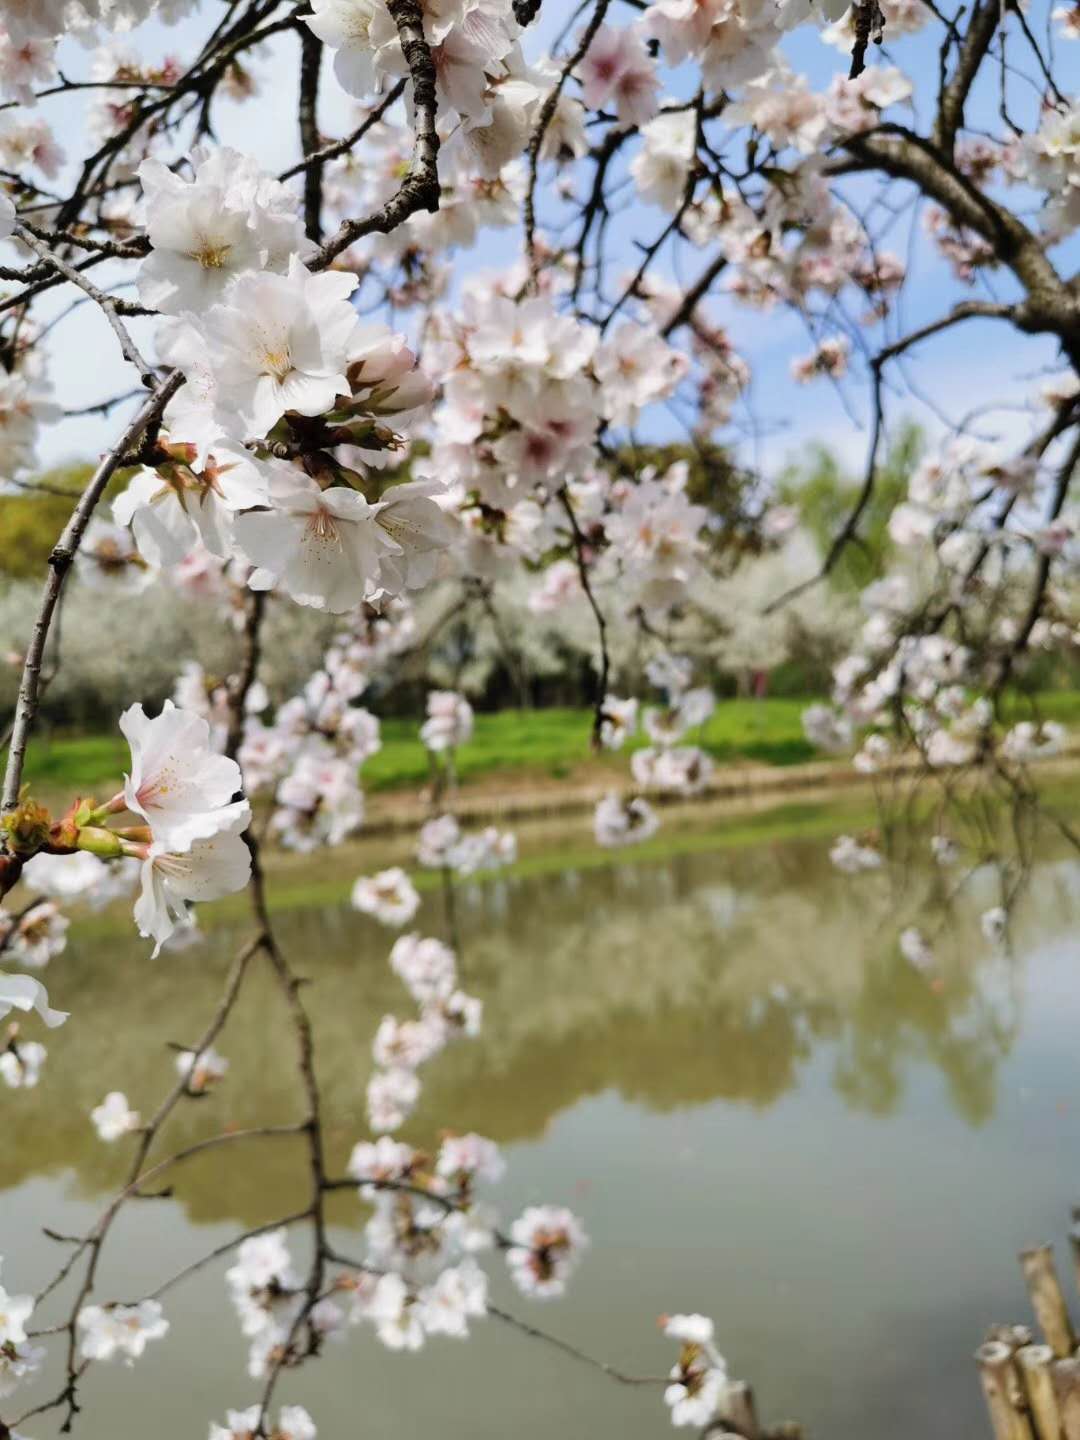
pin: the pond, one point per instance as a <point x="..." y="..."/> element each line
<point x="713" y="1053"/>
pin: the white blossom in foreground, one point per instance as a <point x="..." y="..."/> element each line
<point x="392" y="1312"/>
<point x="124" y="1331"/>
<point x="278" y="343"/>
<point x="390" y="896"/>
<point x="21" y="1062"/>
<point x="114" y="1116"/>
<point x="15" y="1310"/>
<point x="18" y="1362"/>
<point x="547" y="1243"/>
<point x="7" y="216"/>
<point x="173" y="509"/>
<point x="208" y="870"/>
<point x="458" y="1295"/>
<point x="322" y="547"/>
<point x="23" y="992"/>
<point x="699" y="1381"/>
<point x="294" y="1423"/>
<point x="178" y="784"/>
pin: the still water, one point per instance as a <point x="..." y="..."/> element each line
<point x="717" y="1058"/>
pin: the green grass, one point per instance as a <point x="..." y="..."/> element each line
<point x="537" y="744"/>
<point x="541" y="743"/>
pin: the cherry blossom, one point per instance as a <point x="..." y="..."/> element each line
<point x="23" y="992"/>
<point x="120" y="1330"/>
<point x="201" y="1069"/>
<point x="389" y="896"/>
<point x="547" y="1243"/>
<point x="114" y="1117"/>
<point x="21" y="1062"/>
<point x="206" y="870"/>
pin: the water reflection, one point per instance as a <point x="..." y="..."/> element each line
<point x="720" y="1060"/>
<point x="713" y="976"/>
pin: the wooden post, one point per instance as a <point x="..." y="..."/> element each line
<point x="741" y="1413"/>
<point x="1034" y="1362"/>
<point x="1001" y="1388"/>
<point x="1074" y="1245"/>
<point x="1052" y="1313"/>
<point x="1066" y="1377"/>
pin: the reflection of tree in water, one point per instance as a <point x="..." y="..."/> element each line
<point x="716" y="976"/>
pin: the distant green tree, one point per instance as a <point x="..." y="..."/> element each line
<point x="824" y="494"/>
<point x="31" y="520"/>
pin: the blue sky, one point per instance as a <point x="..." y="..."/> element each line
<point x="976" y="363"/>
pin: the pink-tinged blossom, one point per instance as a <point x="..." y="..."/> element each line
<point x="618" y="70"/>
<point x="178" y="784"/>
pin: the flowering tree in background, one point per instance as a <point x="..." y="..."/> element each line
<point x="280" y="445"/>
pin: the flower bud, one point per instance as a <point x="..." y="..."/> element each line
<point x="102" y="843"/>
<point x="26" y="828"/>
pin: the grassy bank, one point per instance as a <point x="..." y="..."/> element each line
<point x="535" y="745"/>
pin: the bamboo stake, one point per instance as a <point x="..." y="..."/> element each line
<point x="1074" y="1244"/>
<point x="1034" y="1362"/>
<point x="1001" y="1388"/>
<point x="1051" y="1312"/>
<point x="741" y="1411"/>
<point x="1066" y="1377"/>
